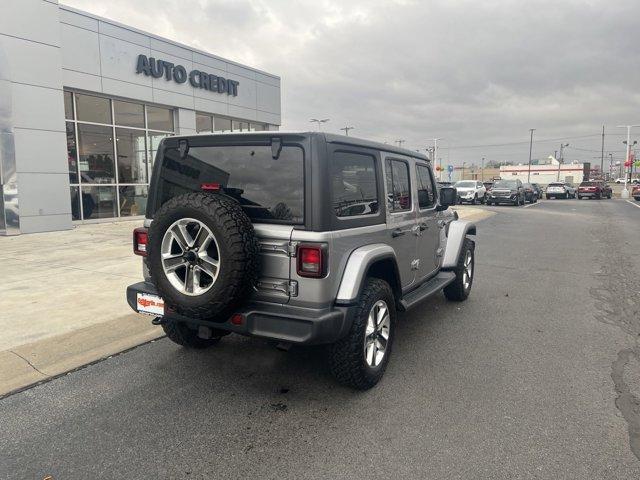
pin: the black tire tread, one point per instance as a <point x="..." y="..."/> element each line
<point x="345" y="355"/>
<point x="455" y="290"/>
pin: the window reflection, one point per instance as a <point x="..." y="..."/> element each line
<point x="132" y="156"/>
<point x="128" y="114"/>
<point x="93" y="109"/>
<point x="99" y="202"/>
<point x="204" y="123"/>
<point x="133" y="200"/>
<point x="72" y="153"/>
<point x="96" y="154"/>
<point x="159" y="118"/>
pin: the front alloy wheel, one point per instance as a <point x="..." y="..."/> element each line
<point x="377" y="333"/>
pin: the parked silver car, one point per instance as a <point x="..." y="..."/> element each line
<point x="302" y="238"/>
<point x="560" y="190"/>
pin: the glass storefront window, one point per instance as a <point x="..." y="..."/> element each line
<point x="68" y="105"/>
<point x="154" y="141"/>
<point x="109" y="148"/>
<point x="257" y="127"/>
<point x="72" y="153"/>
<point x="128" y="114"/>
<point x="132" y="155"/>
<point x="99" y="202"/>
<point x="159" y="118"/>
<point x="96" y="154"/>
<point x="204" y="123"/>
<point x="133" y="200"/>
<point x="239" y="126"/>
<point x="93" y="109"/>
<point x="221" y="124"/>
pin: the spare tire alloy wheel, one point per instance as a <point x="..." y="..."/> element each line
<point x="190" y="256"/>
<point x="203" y="255"/>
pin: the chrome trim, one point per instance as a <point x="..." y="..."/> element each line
<point x="356" y="268"/>
<point x="9" y="200"/>
<point x="458" y="230"/>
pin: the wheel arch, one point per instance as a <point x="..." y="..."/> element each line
<point x="378" y="261"/>
<point x="458" y="231"/>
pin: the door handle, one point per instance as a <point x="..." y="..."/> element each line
<point x="397" y="232"/>
<point x="423" y="226"/>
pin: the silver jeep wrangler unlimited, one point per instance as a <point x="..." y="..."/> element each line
<point x="302" y="238"/>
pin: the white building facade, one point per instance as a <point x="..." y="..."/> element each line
<point x="544" y="174"/>
<point x="84" y="102"/>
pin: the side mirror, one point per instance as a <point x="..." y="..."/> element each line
<point x="448" y="197"/>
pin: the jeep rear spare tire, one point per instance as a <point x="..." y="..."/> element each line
<point x="202" y="254"/>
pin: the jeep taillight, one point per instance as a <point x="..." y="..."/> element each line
<point x="311" y="261"/>
<point x="140" y="241"/>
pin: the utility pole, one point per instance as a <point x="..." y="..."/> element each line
<point x="602" y="153"/>
<point x="625" y="191"/>
<point x="463" y="164"/>
<point x="610" y="164"/>
<point x="319" y="122"/>
<point x="530" y="149"/>
<point x="561" y="159"/>
<point x="435" y="155"/>
<point x="482" y="171"/>
<point x="346" y="130"/>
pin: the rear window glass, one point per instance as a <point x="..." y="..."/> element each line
<point x="588" y="184"/>
<point x="268" y="190"/>
<point x="556" y="184"/>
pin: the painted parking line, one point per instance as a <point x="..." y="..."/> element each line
<point x="633" y="203"/>
<point x="531" y="205"/>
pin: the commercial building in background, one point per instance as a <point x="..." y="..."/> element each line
<point x="546" y="174"/>
<point x="84" y="102"/>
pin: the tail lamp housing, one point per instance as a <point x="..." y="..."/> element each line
<point x="140" y="241"/>
<point x="311" y="260"/>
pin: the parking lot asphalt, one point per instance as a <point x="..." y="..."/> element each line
<point x="535" y="376"/>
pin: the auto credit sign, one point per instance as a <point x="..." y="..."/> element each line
<point x="197" y="78"/>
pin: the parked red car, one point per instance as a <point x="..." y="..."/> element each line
<point x="593" y="189"/>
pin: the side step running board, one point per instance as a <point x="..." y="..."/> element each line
<point x="428" y="288"/>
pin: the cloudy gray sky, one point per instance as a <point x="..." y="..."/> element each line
<point x="479" y="74"/>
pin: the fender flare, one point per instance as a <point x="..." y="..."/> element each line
<point x="357" y="267"/>
<point x="458" y="231"/>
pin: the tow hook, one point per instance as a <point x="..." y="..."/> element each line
<point x="158" y="321"/>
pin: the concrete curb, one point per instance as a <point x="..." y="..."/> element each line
<point x="43" y="360"/>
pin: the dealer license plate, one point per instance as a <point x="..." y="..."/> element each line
<point x="150" y="304"/>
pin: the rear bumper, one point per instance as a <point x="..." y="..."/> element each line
<point x="590" y="194"/>
<point x="307" y="326"/>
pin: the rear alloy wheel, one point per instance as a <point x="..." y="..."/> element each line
<point x="360" y="359"/>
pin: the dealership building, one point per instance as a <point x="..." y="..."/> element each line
<point x="84" y="102"/>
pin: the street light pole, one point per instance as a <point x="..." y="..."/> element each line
<point x="530" y="149"/>
<point x="319" y="122"/>
<point x="482" y="171"/>
<point x="346" y="130"/>
<point x="625" y="191"/>
<point x="435" y="155"/>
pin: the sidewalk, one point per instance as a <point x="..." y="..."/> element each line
<point x="62" y="299"/>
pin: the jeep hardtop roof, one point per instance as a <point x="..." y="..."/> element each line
<point x="328" y="137"/>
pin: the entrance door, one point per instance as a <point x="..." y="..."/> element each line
<point x="428" y="229"/>
<point x="401" y="218"/>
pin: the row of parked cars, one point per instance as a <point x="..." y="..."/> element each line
<point x="513" y="192"/>
<point x="516" y="192"/>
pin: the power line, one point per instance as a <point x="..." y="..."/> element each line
<point x="521" y="143"/>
